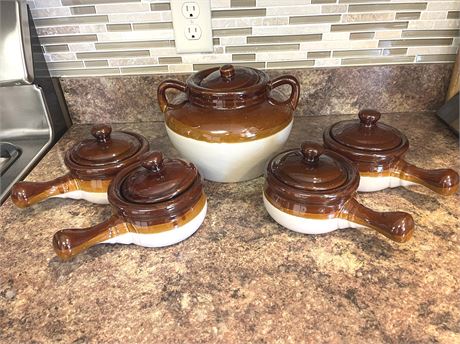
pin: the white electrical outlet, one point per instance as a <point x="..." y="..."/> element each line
<point x="192" y="25"/>
<point x="190" y="10"/>
<point x="192" y="32"/>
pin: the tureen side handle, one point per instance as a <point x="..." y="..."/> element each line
<point x="444" y="181"/>
<point x="25" y="194"/>
<point x="161" y="93"/>
<point x="69" y="242"/>
<point x="397" y="225"/>
<point x="290" y="80"/>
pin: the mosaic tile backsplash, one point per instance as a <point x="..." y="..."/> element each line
<point x="111" y="37"/>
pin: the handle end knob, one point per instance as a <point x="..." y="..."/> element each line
<point x="19" y="195"/>
<point x="62" y="245"/>
<point x="402" y="227"/>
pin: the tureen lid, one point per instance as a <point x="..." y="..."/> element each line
<point x="367" y="133"/>
<point x="310" y="168"/>
<point x="105" y="153"/>
<point x="228" y="87"/>
<point x="228" y="78"/>
<point x="157" y="179"/>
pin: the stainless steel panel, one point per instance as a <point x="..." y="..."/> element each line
<point x="25" y="124"/>
<point x="16" y="63"/>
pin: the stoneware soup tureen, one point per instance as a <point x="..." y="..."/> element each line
<point x="378" y="151"/>
<point x="311" y="190"/>
<point x="156" y="202"/>
<point x="229" y="121"/>
<point x="92" y="164"/>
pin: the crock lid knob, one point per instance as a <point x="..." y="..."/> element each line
<point x="153" y="161"/>
<point x="311" y="151"/>
<point x="369" y="117"/>
<point x="227" y="71"/>
<point x="101" y="132"/>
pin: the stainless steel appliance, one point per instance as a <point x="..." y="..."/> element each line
<point x="33" y="115"/>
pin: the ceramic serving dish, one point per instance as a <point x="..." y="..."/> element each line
<point x="156" y="202"/>
<point x="92" y="164"/>
<point x="378" y="151"/>
<point x="230" y="120"/>
<point x="311" y="190"/>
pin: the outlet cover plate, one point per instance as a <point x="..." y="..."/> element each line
<point x="181" y="23"/>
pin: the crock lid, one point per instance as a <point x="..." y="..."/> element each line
<point x="228" y="87"/>
<point x="230" y="78"/>
<point x="309" y="168"/>
<point x="106" y="154"/>
<point x="105" y="148"/>
<point x="366" y="134"/>
<point x="157" y="179"/>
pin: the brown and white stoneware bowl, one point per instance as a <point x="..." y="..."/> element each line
<point x="92" y="164"/>
<point x="156" y="202"/>
<point x="230" y="120"/>
<point x="378" y="151"/>
<point x="311" y="190"/>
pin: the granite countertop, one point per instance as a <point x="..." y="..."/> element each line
<point x="241" y="277"/>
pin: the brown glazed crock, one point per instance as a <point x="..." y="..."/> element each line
<point x="229" y="120"/>
<point x="92" y="164"/>
<point x="156" y="202"/>
<point x="226" y="94"/>
<point x="313" y="183"/>
<point x="378" y="151"/>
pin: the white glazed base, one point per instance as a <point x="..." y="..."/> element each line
<point x="162" y="239"/>
<point x="371" y="184"/>
<point x="93" y="197"/>
<point x="304" y="225"/>
<point x="230" y="162"/>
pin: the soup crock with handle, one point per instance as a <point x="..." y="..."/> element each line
<point x="378" y="151"/>
<point x="230" y="120"/>
<point x="156" y="202"/>
<point x="311" y="190"/>
<point x="92" y="164"/>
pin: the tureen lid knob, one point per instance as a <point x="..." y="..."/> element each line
<point x="101" y="132"/>
<point x="227" y="71"/>
<point x="311" y="151"/>
<point x="369" y="117"/>
<point x="153" y="161"/>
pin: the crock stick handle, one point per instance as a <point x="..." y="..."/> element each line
<point x="443" y="181"/>
<point x="397" y="225"/>
<point x="69" y="242"/>
<point x="24" y="194"/>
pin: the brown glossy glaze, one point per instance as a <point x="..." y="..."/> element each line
<point x="396" y="225"/>
<point x="137" y="206"/>
<point x="92" y="164"/>
<point x="153" y="195"/>
<point x="378" y="150"/>
<point x="228" y="104"/>
<point x="105" y="154"/>
<point x="158" y="180"/>
<point x="107" y="148"/>
<point x="70" y="242"/>
<point x="324" y="186"/>
<point x="444" y="181"/>
<point x="24" y="194"/>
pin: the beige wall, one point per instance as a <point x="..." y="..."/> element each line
<point x="106" y="37"/>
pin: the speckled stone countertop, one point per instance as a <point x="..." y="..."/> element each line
<point x="241" y="278"/>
